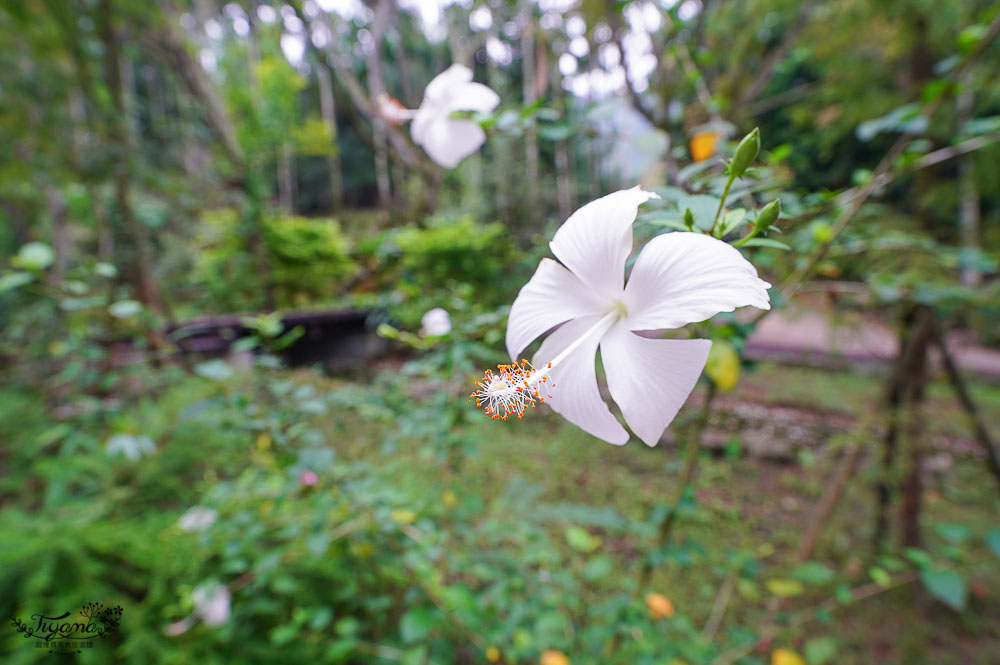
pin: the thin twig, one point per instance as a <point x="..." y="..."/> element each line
<point x="965" y="398"/>
<point x="719" y="606"/>
<point x="684" y="481"/>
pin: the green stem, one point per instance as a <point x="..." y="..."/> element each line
<point x="685" y="481"/>
<point x="722" y="204"/>
<point x="742" y="241"/>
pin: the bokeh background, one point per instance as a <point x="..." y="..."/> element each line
<point x="223" y="410"/>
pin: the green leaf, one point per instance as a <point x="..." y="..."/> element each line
<point x="34" y="256"/>
<point x="347" y="626"/>
<point x="766" y="242"/>
<point x="784" y="588"/>
<point x="551" y="627"/>
<point x="993" y="541"/>
<point x="953" y="533"/>
<point x="880" y="576"/>
<point x="820" y="650"/>
<point x="581" y="540"/>
<point x="341" y="650"/>
<point x="947" y="586"/>
<point x="124" y="309"/>
<point x="13" y="280"/>
<point x="919" y="557"/>
<point x="284" y="634"/>
<point x="731" y="220"/>
<point x="416" y="624"/>
<point x="414" y="656"/>
<point x="598" y="567"/>
<point x="555" y="132"/>
<point x="813" y="572"/>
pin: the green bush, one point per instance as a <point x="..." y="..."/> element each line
<point x="454" y="248"/>
<point x="304" y="260"/>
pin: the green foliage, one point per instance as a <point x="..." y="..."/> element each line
<point x="307" y="261"/>
<point x="453" y="248"/>
<point x="465" y="267"/>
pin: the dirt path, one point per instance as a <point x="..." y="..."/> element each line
<point x="807" y="333"/>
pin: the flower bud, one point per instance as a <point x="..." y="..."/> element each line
<point x="689" y="219"/>
<point x="768" y="215"/>
<point x="746" y="152"/>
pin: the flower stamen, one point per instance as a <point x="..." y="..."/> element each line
<point x="514" y="388"/>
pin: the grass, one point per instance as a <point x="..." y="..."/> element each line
<point x="744" y="503"/>
<point x="760" y="506"/>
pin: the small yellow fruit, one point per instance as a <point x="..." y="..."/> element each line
<point x="552" y="657"/>
<point x="493" y="655"/>
<point x="659" y="606"/>
<point x="786" y="657"/>
<point x="723" y="365"/>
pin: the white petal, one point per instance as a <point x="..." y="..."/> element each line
<point x="573" y="383"/>
<point x="681" y="278"/>
<point x="422" y="121"/>
<point x="448" y="141"/>
<point x="552" y="296"/>
<point x="596" y="239"/>
<point x="444" y="84"/>
<point x="473" y="97"/>
<point x="650" y="379"/>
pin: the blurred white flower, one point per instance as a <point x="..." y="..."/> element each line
<point x="132" y="446"/>
<point x="436" y="322"/>
<point x="212" y="603"/>
<point x="446" y="139"/>
<point x="197" y="518"/>
<point x="678" y="278"/>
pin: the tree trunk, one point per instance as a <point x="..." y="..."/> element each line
<point x="376" y="88"/>
<point x="528" y="75"/>
<point x="912" y="489"/>
<point x="123" y="166"/>
<point x="286" y="178"/>
<point x="969" y="212"/>
<point x="328" y="108"/>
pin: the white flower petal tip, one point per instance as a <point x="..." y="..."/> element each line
<point x="650" y="379"/>
<point x="446" y="139"/>
<point x="681" y="278"/>
<point x="596" y="240"/>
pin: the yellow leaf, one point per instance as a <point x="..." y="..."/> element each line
<point x="659" y="606"/>
<point x="449" y="499"/>
<point x="786" y="657"/>
<point x="493" y="655"/>
<point x="552" y="657"/>
<point x="784" y="588"/>
<point x="264" y="441"/>
<point x="402" y="516"/>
